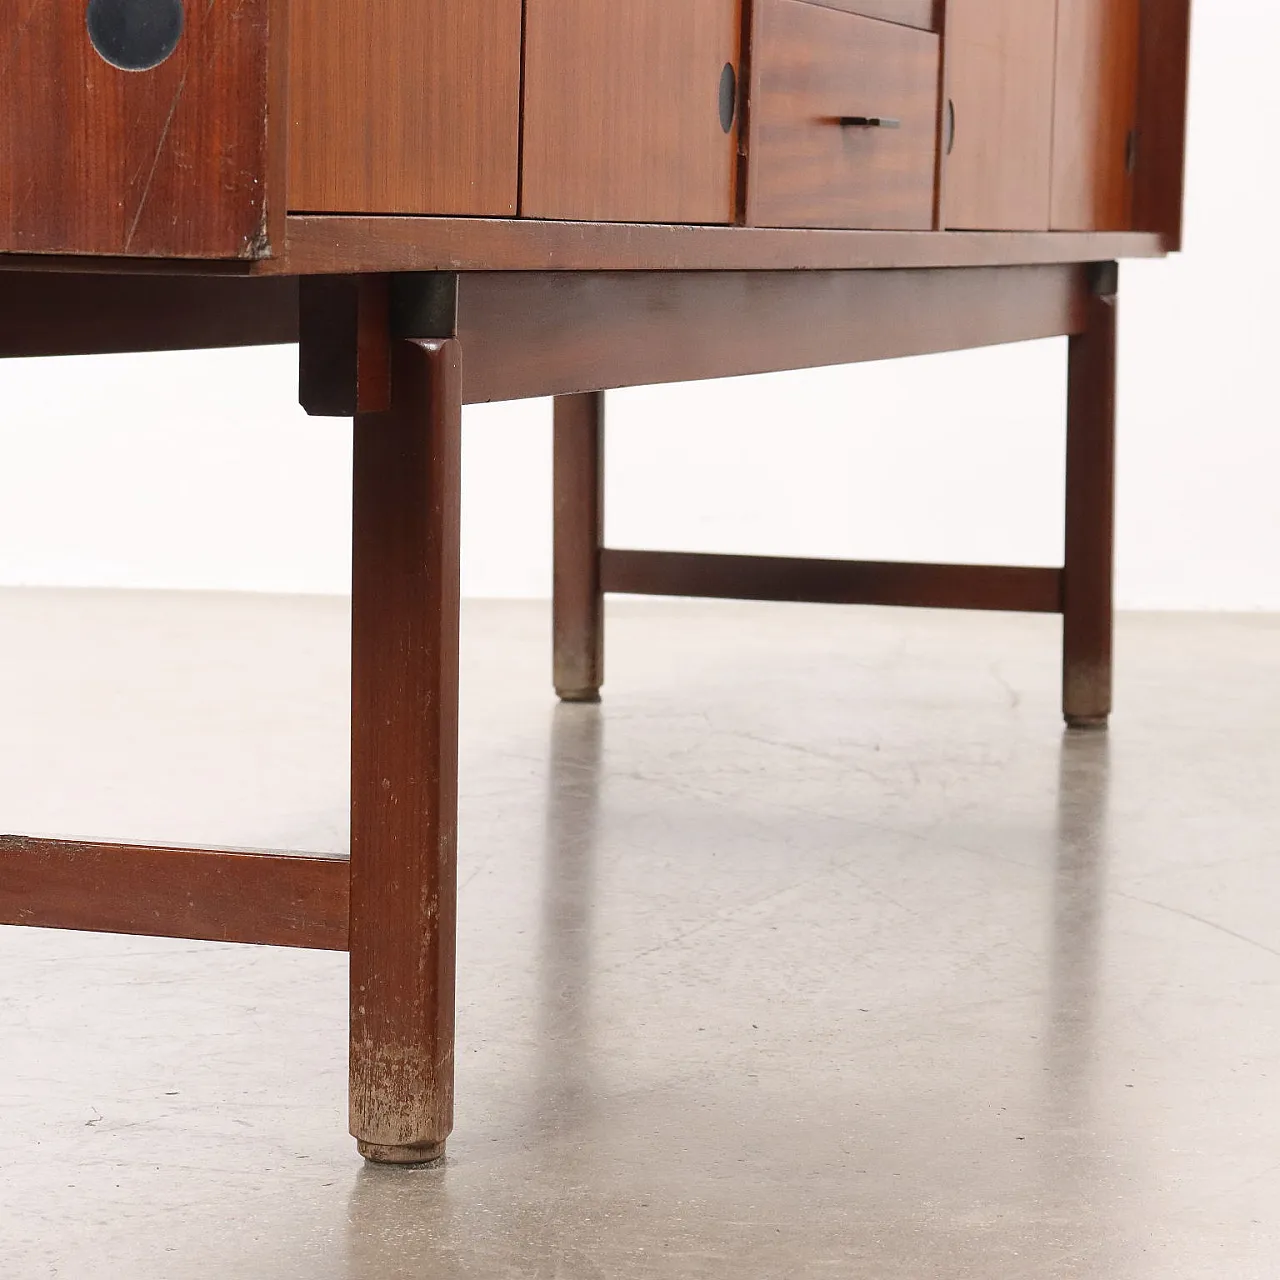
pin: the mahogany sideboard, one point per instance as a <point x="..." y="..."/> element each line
<point x="451" y="201"/>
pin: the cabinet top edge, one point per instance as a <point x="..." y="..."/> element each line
<point x="351" y="244"/>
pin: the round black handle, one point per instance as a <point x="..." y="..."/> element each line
<point x="134" y="35"/>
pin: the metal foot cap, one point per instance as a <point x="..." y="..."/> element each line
<point x="406" y="1157"/>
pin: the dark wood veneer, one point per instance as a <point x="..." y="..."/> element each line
<point x="1162" y="118"/>
<point x="336" y="245"/>
<point x="548" y="333"/>
<point x="927" y="586"/>
<point x="405" y="106"/>
<point x="221" y="895"/>
<point x="814" y="67"/>
<point x="621" y="111"/>
<point x="173" y="161"/>
<point x="925" y="14"/>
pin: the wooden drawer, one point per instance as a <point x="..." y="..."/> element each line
<point x="817" y="73"/>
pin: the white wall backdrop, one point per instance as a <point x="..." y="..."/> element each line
<point x="197" y="471"/>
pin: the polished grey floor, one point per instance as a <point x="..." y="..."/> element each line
<point x="818" y="951"/>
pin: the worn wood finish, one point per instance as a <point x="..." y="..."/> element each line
<point x="999" y="76"/>
<point x="54" y="313"/>
<point x="577" y="598"/>
<point x="812" y="68"/>
<point x="928" y="586"/>
<point x="336" y="246"/>
<point x="1094" y="115"/>
<point x="1162" y="118"/>
<point x="344" y="355"/>
<point x="220" y="895"/>
<point x="172" y="161"/>
<point x="404" y="758"/>
<point x="621" y="110"/>
<point x="1090" y="538"/>
<point x="405" y="106"/>
<point x="925" y="14"/>
<point x="550" y="333"/>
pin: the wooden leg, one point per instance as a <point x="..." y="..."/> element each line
<point x="578" y="604"/>
<point x="1088" y="580"/>
<point x="404" y="758"/>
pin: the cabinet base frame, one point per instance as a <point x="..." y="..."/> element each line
<point x="403" y="359"/>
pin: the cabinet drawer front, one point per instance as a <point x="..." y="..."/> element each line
<point x="844" y="121"/>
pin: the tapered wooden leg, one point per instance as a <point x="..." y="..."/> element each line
<point x="1088" y="582"/>
<point x="578" y="603"/>
<point x="404" y="758"/>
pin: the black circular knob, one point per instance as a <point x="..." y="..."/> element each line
<point x="134" y="35"/>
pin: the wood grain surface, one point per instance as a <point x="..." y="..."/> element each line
<point x="621" y="110"/>
<point x="811" y="68"/>
<point x="577" y="600"/>
<point x="221" y="895"/>
<point x="344" y="345"/>
<point x="339" y="245"/>
<point x="1088" y="581"/>
<point x="1162" y="118"/>
<point x="999" y="76"/>
<point x="58" y="313"/>
<point x="925" y="14"/>
<point x="172" y="161"/>
<point x="404" y="106"/>
<point x="404" y="757"/>
<point x="550" y="333"/>
<point x="1094" y="115"/>
<point x="926" y="586"/>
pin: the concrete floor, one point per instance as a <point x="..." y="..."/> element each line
<point x="818" y="951"/>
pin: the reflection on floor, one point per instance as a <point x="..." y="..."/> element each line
<point x="818" y="950"/>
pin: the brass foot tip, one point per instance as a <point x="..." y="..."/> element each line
<point x="578" y="695"/>
<point x="1088" y="724"/>
<point x="405" y="1157"/>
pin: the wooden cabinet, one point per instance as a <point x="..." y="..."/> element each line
<point x="622" y="110"/>
<point x="967" y="115"/>
<point x="404" y="106"/>
<point x="1095" y="115"/>
<point x="999" y="130"/>
<point x="844" y="120"/>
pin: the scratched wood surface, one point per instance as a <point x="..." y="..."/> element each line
<point x="172" y="161"/>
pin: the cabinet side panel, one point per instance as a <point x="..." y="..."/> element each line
<point x="165" y="162"/>
<point x="1000" y="62"/>
<point x="1162" y="118"/>
<point x="622" y="110"/>
<point x="404" y="106"/>
<point x="1095" y="112"/>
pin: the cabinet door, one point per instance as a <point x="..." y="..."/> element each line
<point x="144" y="138"/>
<point x="1000" y="70"/>
<point x="404" y="106"/>
<point x="1095" y="113"/>
<point x="622" y="110"/>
